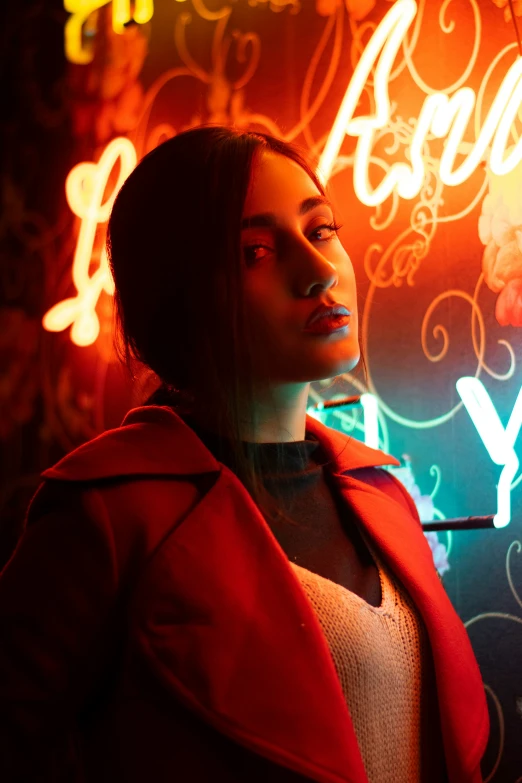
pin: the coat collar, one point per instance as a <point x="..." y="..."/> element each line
<point x="225" y="625"/>
<point x="153" y="440"/>
<point x="403" y="547"/>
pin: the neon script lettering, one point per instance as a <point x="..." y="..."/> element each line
<point x="499" y="441"/>
<point x="80" y="10"/>
<point x="441" y="116"/>
<point x="85" y="187"/>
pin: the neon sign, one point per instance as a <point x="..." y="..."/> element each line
<point x="370" y="408"/>
<point x="85" y="187"/>
<point x="80" y="11"/>
<point x="499" y="441"/>
<point x="442" y="116"/>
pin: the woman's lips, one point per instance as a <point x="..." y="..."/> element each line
<point x="328" y="324"/>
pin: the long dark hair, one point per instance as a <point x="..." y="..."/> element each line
<point x="173" y="244"/>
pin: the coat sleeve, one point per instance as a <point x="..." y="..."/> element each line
<point x="63" y="598"/>
<point x="58" y="601"/>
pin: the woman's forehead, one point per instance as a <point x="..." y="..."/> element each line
<point x="277" y="182"/>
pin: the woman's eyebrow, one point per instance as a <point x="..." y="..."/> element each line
<point x="269" y="220"/>
<point x="311" y="203"/>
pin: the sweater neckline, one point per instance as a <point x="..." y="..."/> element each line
<point x="285" y="458"/>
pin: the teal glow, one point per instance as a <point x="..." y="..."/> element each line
<point x="371" y="420"/>
<point x="499" y="442"/>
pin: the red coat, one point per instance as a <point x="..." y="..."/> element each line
<point x="150" y="608"/>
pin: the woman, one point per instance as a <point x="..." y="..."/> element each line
<point x="223" y="588"/>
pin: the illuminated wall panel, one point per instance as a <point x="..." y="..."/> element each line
<point x="413" y="111"/>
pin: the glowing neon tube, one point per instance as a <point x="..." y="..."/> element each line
<point x="499" y="442"/>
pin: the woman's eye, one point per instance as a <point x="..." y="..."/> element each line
<point x="325" y="232"/>
<point x="254" y="253"/>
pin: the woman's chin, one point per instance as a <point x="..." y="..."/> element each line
<point x="333" y="363"/>
<point x="334" y="370"/>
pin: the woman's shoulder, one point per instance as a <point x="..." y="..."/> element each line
<point x="151" y="440"/>
<point x="132" y="484"/>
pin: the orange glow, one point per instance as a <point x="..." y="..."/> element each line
<point x="85" y="187"/>
<point x="388" y="37"/>
<point x="440" y="115"/>
<point x="80" y="10"/>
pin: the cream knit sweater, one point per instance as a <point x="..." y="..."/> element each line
<point x="377" y="652"/>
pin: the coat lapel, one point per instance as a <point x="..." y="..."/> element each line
<point x="222" y="618"/>
<point x="402" y="545"/>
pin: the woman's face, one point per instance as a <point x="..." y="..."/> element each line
<point x="293" y="263"/>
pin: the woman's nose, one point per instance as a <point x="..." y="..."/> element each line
<point x="313" y="270"/>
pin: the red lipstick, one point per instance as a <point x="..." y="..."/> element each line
<point x="327" y="319"/>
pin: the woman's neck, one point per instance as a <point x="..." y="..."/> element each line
<point x="279" y="416"/>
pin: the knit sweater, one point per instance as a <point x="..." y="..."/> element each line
<point x="379" y="655"/>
